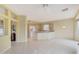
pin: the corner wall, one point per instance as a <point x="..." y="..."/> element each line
<point x="63" y="29"/>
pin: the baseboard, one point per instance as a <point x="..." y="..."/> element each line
<point x="5" y="50"/>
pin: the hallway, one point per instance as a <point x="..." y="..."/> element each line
<point x="40" y="47"/>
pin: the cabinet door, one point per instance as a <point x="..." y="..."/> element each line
<point x="42" y="36"/>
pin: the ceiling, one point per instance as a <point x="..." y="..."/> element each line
<point x="52" y="12"/>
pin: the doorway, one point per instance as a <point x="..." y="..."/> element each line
<point x="32" y="32"/>
<point x="77" y="30"/>
<point x="13" y="31"/>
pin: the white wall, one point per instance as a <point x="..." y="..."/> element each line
<point x="5" y="43"/>
<point x="63" y="29"/>
<point x="5" y="40"/>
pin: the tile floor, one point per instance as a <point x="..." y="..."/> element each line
<point x="40" y="47"/>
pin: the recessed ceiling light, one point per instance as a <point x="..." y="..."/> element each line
<point x="65" y="9"/>
<point x="64" y="27"/>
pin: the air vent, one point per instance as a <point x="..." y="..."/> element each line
<point x="45" y="5"/>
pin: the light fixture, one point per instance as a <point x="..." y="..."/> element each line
<point x="65" y="9"/>
<point x="45" y="5"/>
<point x="64" y="27"/>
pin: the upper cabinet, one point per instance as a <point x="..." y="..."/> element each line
<point x="42" y="26"/>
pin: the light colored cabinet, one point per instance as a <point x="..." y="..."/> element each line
<point x="45" y="35"/>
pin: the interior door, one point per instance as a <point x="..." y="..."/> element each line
<point x="13" y="31"/>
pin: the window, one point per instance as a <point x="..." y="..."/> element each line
<point x="1" y="27"/>
<point x="46" y="27"/>
<point x="32" y="28"/>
